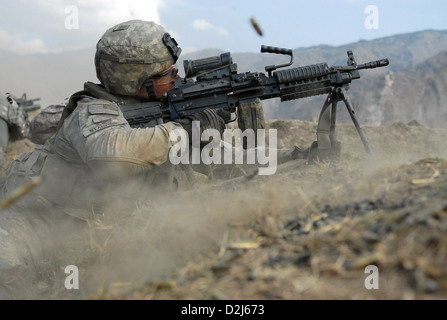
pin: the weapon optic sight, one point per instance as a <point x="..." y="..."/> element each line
<point x="217" y="66"/>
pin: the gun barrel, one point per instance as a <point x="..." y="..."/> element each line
<point x="277" y="50"/>
<point x="374" y="64"/>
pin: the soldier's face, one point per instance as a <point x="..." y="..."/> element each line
<point x="162" y="83"/>
<point x="165" y="82"/>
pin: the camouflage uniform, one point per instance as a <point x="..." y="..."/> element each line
<point x="16" y="117"/>
<point x="14" y="124"/>
<point x="93" y="147"/>
<point x="95" y="139"/>
<point x="44" y="124"/>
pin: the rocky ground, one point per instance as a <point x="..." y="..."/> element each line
<point x="307" y="232"/>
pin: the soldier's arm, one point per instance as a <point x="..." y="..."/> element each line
<point x="106" y="143"/>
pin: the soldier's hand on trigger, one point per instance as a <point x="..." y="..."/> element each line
<point x="209" y="119"/>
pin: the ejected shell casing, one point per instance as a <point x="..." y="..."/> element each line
<point x="255" y="25"/>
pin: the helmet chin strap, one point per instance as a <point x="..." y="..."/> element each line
<point x="149" y="84"/>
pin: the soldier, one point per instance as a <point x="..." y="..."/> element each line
<point x="14" y="124"/>
<point x="134" y="62"/>
<point x="94" y="146"/>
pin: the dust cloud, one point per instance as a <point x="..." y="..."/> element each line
<point x="140" y="234"/>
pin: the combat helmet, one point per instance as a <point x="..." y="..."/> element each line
<point x="131" y="52"/>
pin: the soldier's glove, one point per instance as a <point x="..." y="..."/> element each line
<point x="208" y="118"/>
<point x="225" y="115"/>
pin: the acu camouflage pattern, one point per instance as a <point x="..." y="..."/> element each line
<point x="130" y="53"/>
<point x="44" y="124"/>
<point x="15" y="117"/>
<point x="94" y="147"/>
<point x="250" y="116"/>
<point x="4" y="107"/>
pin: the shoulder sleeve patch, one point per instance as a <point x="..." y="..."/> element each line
<point x="100" y="117"/>
<point x="111" y="109"/>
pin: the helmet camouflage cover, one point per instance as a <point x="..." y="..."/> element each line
<point x="131" y="52"/>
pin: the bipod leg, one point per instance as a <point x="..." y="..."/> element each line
<point x="344" y="96"/>
<point x="254" y="119"/>
<point x="333" y="121"/>
<point x="326" y="123"/>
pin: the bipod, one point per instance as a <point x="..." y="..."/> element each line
<point x="326" y="136"/>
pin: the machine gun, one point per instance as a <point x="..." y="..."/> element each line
<point x="27" y="104"/>
<point x="215" y="83"/>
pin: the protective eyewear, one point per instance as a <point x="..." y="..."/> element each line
<point x="172" y="71"/>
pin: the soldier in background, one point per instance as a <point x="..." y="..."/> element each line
<point x="44" y="124"/>
<point x="14" y="123"/>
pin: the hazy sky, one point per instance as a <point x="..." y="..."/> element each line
<point x="44" y="26"/>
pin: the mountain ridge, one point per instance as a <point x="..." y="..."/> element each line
<point x="54" y="77"/>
